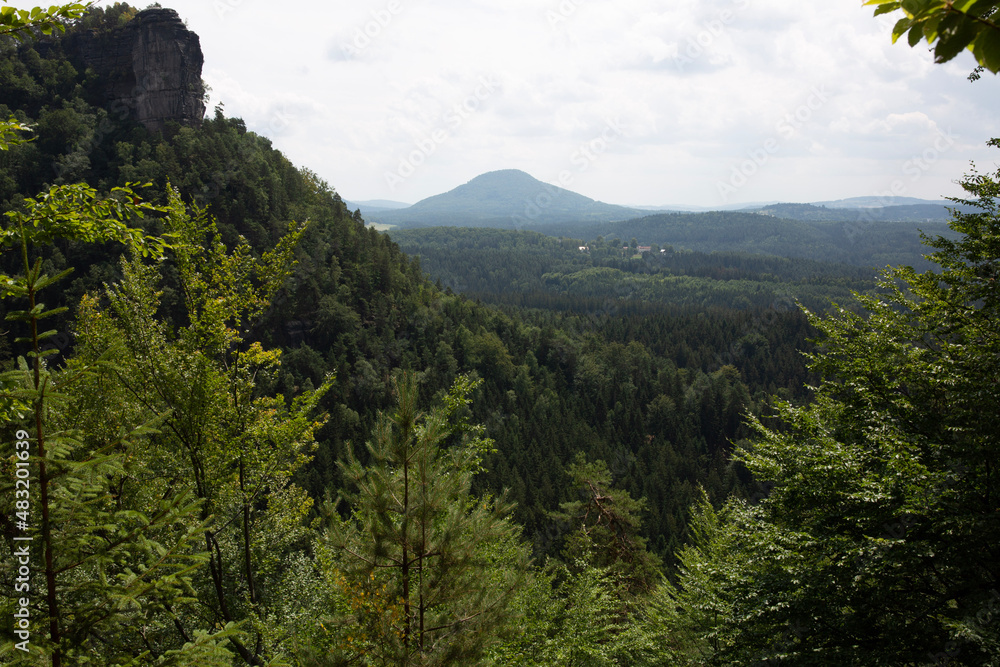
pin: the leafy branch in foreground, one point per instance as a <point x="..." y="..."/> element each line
<point x="950" y="26"/>
<point x="107" y="563"/>
<point x="234" y="449"/>
<point x="20" y="24"/>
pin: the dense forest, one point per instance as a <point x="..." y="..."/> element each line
<point x="509" y="266"/>
<point x="246" y="428"/>
<point x="862" y="241"/>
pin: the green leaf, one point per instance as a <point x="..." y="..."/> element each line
<point x="986" y="48"/>
<point x="972" y="6"/>
<point x="955" y="36"/>
<point x="916" y="34"/>
<point x="931" y="26"/>
<point x="902" y="25"/>
<point x="886" y="8"/>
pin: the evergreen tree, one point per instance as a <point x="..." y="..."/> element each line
<point x="423" y="572"/>
<point x="220" y="439"/>
<point x="604" y="525"/>
<point x="878" y="542"/>
<point x="105" y="564"/>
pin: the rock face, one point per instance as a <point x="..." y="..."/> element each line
<point x="152" y="68"/>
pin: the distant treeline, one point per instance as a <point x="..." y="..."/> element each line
<point x="505" y="266"/>
<point x="861" y="242"/>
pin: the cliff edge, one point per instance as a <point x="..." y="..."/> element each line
<point x="151" y="66"/>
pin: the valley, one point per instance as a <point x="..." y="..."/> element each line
<point x="506" y="424"/>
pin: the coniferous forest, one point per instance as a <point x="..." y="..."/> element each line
<point x="242" y="427"/>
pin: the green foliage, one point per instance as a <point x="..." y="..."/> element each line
<point x="422" y="571"/>
<point x="569" y="615"/>
<point x="11" y="133"/>
<point x="876" y="543"/>
<point x="949" y="26"/>
<point x="21" y="22"/>
<point x="603" y="528"/>
<point x="110" y="563"/>
<point x="221" y="441"/>
<point x="77" y="213"/>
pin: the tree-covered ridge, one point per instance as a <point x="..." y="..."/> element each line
<point x="918" y="213"/>
<point x="866" y="242"/>
<point x="498" y="265"/>
<point x="356" y="307"/>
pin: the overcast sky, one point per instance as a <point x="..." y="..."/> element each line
<point x="642" y="102"/>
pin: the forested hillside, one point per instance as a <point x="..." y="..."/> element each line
<point x="662" y="411"/>
<point x="506" y="266"/>
<point x="357" y="308"/>
<point x="247" y="429"/>
<point x="862" y="241"/>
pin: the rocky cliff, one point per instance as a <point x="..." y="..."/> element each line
<point x="151" y="68"/>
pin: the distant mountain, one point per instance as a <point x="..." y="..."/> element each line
<point x="502" y="199"/>
<point x="380" y="203"/>
<point x="686" y="208"/>
<point x="925" y="212"/>
<point x="849" y="203"/>
<point x="513" y="198"/>
<point x="374" y="206"/>
<point x="879" y="202"/>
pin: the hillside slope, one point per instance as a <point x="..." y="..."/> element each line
<point x="506" y="198"/>
<point x="606" y="381"/>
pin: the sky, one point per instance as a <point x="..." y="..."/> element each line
<point x="631" y="102"/>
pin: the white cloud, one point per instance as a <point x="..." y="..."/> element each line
<point x="700" y="85"/>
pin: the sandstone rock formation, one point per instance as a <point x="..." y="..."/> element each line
<point x="152" y="68"/>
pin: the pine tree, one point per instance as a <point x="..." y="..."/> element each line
<point x="604" y="525"/>
<point x="424" y="572"/>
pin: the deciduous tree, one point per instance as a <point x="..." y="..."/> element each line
<point x="877" y="543"/>
<point x="949" y="26"/>
<point x="104" y="565"/>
